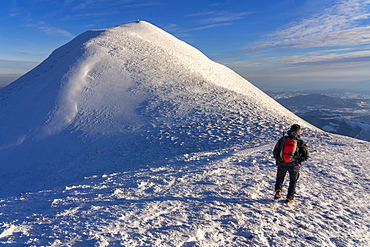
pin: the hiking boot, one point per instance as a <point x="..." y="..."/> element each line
<point x="288" y="201"/>
<point x="277" y="194"/>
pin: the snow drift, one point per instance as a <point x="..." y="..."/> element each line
<point x="127" y="136"/>
<point x="132" y="91"/>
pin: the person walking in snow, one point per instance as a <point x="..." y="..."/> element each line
<point x="289" y="152"/>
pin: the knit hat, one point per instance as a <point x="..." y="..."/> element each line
<point x="294" y="130"/>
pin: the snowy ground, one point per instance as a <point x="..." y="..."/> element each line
<point x="204" y="199"/>
<point x="129" y="137"/>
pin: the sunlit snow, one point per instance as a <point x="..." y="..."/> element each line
<point x="127" y="136"/>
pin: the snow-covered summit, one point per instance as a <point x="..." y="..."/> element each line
<point x="109" y="74"/>
<point x="127" y="136"/>
<point x="126" y="89"/>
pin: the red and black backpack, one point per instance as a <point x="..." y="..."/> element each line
<point x="288" y="149"/>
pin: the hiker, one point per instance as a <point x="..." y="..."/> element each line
<point x="289" y="152"/>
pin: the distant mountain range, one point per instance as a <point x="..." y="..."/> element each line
<point x="320" y="101"/>
<point x="344" y="116"/>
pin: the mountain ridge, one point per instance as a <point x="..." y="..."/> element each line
<point x="138" y="87"/>
<point x="116" y="140"/>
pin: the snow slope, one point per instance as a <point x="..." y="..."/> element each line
<point x="120" y="91"/>
<point x="129" y="137"/>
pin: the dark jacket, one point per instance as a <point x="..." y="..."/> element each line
<point x="301" y="154"/>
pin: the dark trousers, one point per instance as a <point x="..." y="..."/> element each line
<point x="293" y="177"/>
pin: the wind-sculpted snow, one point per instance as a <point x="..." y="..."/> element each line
<point x="127" y="136"/>
<point x="203" y="199"/>
<point x="132" y="90"/>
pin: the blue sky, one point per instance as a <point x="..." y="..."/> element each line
<point x="274" y="44"/>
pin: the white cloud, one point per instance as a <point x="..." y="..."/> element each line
<point x="329" y="49"/>
<point x="202" y="13"/>
<point x="337" y="39"/>
<point x="338" y="25"/>
<point x="356" y="55"/>
<point x="212" y="19"/>
<point x="98" y="4"/>
<point x="14" y="14"/>
<point x="224" y="17"/>
<point x="209" y="26"/>
<point x="42" y="26"/>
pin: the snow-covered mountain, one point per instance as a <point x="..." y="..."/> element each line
<point x="127" y="136"/>
<point x="124" y="90"/>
